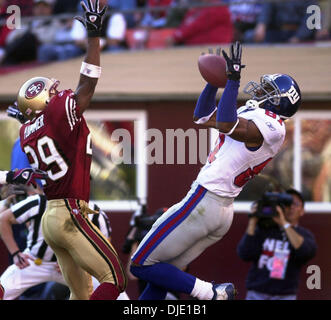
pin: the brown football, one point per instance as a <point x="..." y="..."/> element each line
<point x="212" y="67"/>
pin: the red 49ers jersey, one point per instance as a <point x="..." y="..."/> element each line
<point x="58" y="142"/>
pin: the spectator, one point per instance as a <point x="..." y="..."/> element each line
<point x="140" y="224"/>
<point x="325" y="32"/>
<point x="4" y="30"/>
<point x="244" y="17"/>
<point x="282" y="22"/>
<point x="126" y="5"/>
<point x="176" y="13"/>
<point x="64" y="45"/>
<point x="3" y="8"/>
<point x="209" y="25"/>
<point x="64" y="6"/>
<point x="22" y="44"/>
<point x="278" y="248"/>
<point x="70" y="41"/>
<point x="155" y="18"/>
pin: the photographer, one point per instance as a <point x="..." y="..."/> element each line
<point x="140" y="224"/>
<point x="277" y="246"/>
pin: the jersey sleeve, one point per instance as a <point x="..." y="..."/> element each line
<point x="271" y="128"/>
<point x="63" y="111"/>
<point x="27" y="209"/>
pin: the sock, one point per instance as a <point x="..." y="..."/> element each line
<point x="153" y="292"/>
<point x="105" y="291"/>
<point x="227" y="107"/>
<point x="207" y="102"/>
<point x="202" y="290"/>
<point x="165" y="275"/>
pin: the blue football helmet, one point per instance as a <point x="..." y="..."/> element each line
<point x="278" y="93"/>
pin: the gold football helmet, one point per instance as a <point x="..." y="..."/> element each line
<point x="35" y="94"/>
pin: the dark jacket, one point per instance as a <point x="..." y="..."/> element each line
<point x="276" y="15"/>
<point x="260" y="250"/>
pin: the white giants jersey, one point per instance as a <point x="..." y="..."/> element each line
<point x="231" y="165"/>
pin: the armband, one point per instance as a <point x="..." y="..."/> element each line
<point x="15" y="253"/>
<point x="90" y="70"/>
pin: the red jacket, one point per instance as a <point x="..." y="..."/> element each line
<point x="159" y="3"/>
<point x="205" y="26"/>
<point x="4" y="32"/>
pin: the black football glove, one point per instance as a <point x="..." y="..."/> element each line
<point x="93" y="18"/>
<point x="12" y="111"/>
<point x="25" y="176"/>
<point x="233" y="64"/>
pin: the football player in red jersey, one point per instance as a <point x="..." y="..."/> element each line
<point x="57" y="140"/>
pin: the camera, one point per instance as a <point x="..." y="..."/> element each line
<point x="140" y="225"/>
<point x="266" y="207"/>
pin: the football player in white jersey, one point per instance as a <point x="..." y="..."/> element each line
<point x="249" y="137"/>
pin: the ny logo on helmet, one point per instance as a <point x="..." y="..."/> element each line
<point x="34" y="89"/>
<point x="293" y="95"/>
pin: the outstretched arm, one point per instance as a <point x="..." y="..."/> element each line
<point x="225" y="118"/>
<point x="90" y="70"/>
<point x="7" y="219"/>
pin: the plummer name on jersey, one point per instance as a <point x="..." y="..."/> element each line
<point x="39" y="123"/>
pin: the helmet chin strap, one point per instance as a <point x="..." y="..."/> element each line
<point x="254" y="103"/>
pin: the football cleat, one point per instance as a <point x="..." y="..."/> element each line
<point x="35" y="94"/>
<point x="224" y="291"/>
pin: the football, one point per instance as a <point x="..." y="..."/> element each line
<point x="212" y="68"/>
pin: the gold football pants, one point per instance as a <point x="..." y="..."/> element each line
<point x="81" y="249"/>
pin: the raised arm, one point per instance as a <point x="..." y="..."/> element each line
<point x="90" y="71"/>
<point x="225" y="119"/>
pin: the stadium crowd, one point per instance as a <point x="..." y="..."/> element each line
<point x="147" y="24"/>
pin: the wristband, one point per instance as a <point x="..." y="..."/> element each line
<point x="286" y="225"/>
<point x="15" y="253"/>
<point x="90" y="70"/>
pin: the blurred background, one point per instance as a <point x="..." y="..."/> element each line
<point x="150" y="80"/>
